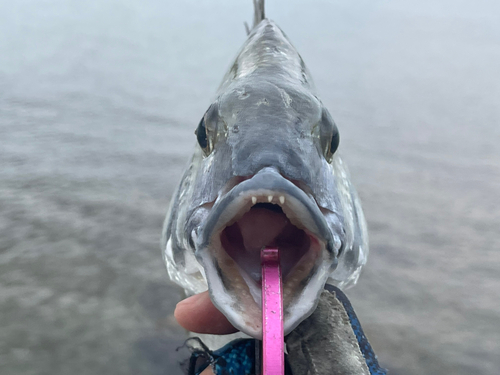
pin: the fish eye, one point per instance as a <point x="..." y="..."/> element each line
<point x="329" y="136"/>
<point x="207" y="131"/>
<point x="201" y="135"/>
<point x="334" y="144"/>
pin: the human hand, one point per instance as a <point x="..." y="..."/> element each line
<point x="332" y="328"/>
<point x="198" y="314"/>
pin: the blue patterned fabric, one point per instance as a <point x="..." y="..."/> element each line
<point x="236" y="358"/>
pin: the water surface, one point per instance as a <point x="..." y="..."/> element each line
<point x="98" y="104"/>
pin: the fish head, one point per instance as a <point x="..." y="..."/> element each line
<point x="265" y="174"/>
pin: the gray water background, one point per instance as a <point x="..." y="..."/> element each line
<point x="98" y="104"/>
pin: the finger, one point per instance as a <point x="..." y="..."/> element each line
<point x="208" y="371"/>
<point x="198" y="314"/>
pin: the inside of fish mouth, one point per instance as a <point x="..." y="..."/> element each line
<point x="264" y="225"/>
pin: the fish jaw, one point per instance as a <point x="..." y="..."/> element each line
<point x="266" y="209"/>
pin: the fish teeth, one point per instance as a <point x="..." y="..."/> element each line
<point x="282" y="199"/>
<point x="254" y="200"/>
<point x="269" y="198"/>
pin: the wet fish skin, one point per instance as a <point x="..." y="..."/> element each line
<point x="266" y="118"/>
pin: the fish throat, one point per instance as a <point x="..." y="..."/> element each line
<point x="265" y="225"/>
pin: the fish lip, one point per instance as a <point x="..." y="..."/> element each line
<point x="266" y="180"/>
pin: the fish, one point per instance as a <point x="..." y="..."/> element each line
<point x="265" y="171"/>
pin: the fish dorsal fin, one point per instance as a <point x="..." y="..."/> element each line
<point x="258" y="14"/>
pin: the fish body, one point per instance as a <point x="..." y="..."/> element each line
<point x="265" y="172"/>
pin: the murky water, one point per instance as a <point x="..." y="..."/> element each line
<point x="98" y="104"/>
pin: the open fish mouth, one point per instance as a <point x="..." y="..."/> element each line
<point x="262" y="211"/>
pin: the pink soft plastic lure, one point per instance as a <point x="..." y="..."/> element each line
<point x="272" y="314"/>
